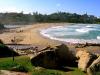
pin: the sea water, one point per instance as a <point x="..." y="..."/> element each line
<point x="77" y="33"/>
<point x="12" y="26"/>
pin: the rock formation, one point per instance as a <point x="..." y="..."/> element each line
<point x="54" y="57"/>
<point x="65" y="56"/>
<point x="95" y="66"/>
<point x="84" y="59"/>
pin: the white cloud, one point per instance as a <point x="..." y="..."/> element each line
<point x="14" y="9"/>
<point x="9" y="9"/>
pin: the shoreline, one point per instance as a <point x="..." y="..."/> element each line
<point x="32" y="35"/>
<point x="71" y="41"/>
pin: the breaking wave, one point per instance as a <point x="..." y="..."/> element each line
<point x="73" y="33"/>
<point x="98" y="37"/>
<point x="84" y="30"/>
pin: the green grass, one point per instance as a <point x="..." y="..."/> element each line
<point x="24" y="63"/>
<point x="48" y="72"/>
<point x="8" y="63"/>
<point x="77" y="72"/>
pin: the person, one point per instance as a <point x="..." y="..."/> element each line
<point x="95" y="66"/>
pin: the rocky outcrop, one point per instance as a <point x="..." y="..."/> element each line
<point x="54" y="57"/>
<point x="7" y="52"/>
<point x="46" y="59"/>
<point x="84" y="59"/>
<point x="65" y="56"/>
<point x="94" y="67"/>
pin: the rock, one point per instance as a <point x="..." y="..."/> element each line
<point x="53" y="57"/>
<point x="7" y="52"/>
<point x="80" y="45"/>
<point x="95" y="66"/>
<point x="6" y="72"/>
<point x="39" y="68"/>
<point x="84" y="59"/>
<point x="45" y="59"/>
<point x="66" y="57"/>
<point x="1" y="42"/>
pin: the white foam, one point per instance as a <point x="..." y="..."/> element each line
<point x="98" y="37"/>
<point x="83" y="30"/>
<point x="74" y="41"/>
<point x="12" y="26"/>
<point x="89" y="26"/>
<point x="57" y="27"/>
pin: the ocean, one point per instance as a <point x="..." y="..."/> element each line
<point x="77" y="33"/>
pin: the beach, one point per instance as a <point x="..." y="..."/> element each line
<point x="30" y="34"/>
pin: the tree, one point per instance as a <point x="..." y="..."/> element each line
<point x="21" y="18"/>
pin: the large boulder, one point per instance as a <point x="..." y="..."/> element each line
<point x="84" y="59"/>
<point x="54" y="57"/>
<point x="46" y="59"/>
<point x="66" y="56"/>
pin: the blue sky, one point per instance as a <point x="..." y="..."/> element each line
<point x="50" y="6"/>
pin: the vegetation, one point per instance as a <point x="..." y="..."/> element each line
<point x="19" y="62"/>
<point x="20" y="18"/>
<point x="1" y="26"/>
<point x="24" y="63"/>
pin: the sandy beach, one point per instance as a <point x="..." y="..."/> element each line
<point x="30" y="34"/>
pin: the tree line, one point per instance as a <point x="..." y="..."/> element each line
<point x="21" y="18"/>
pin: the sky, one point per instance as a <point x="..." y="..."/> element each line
<point x="92" y="7"/>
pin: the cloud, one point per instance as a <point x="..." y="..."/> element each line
<point x="9" y="9"/>
<point x="14" y="9"/>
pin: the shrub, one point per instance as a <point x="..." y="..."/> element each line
<point x="20" y="68"/>
<point x="1" y="26"/>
